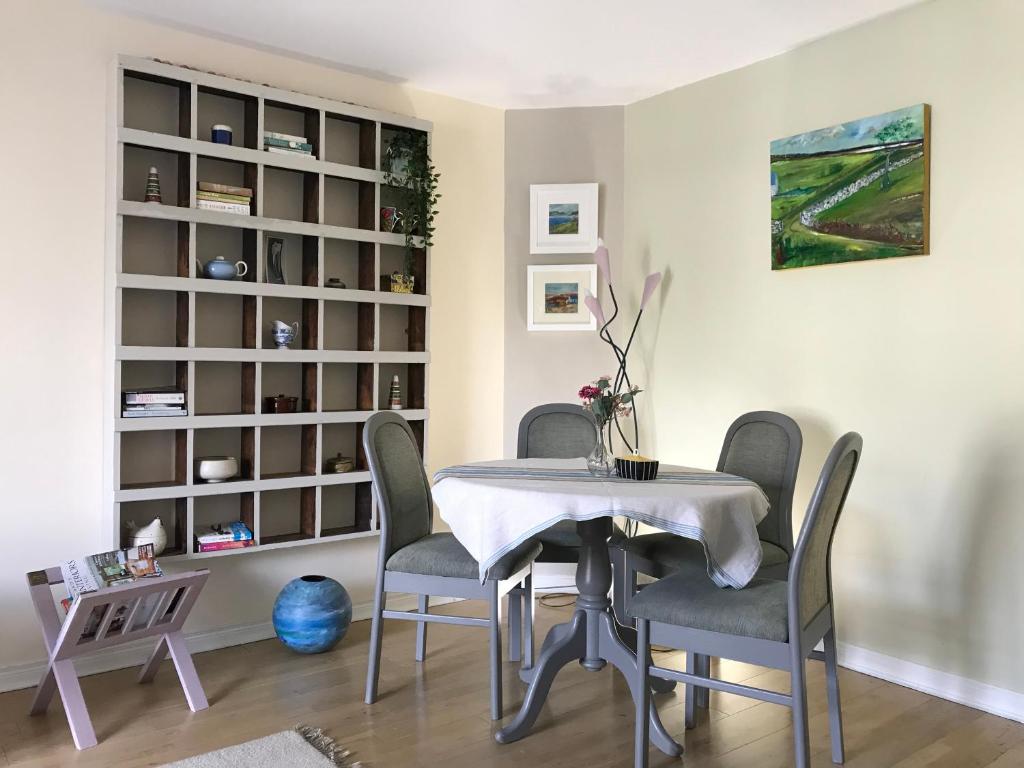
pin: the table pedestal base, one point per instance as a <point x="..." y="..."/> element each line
<point x="591" y="637"/>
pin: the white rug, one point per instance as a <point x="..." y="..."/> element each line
<point x="303" y="747"/>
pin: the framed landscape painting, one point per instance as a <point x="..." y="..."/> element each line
<point x="554" y="297"/>
<point x="563" y="218"/>
<point x="852" y="192"/>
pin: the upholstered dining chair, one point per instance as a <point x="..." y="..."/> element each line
<point x="414" y="559"/>
<point x="763" y="446"/>
<point x="769" y="622"/>
<point x="551" y="431"/>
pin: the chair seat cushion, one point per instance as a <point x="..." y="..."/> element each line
<point x="759" y="610"/>
<point x="681" y="554"/>
<point x="441" y="554"/>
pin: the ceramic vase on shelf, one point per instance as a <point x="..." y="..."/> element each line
<point x="312" y="614"/>
<point x="395" y="395"/>
<point x="599" y="462"/>
<point x="154" y="534"/>
<point x="153" y="186"/>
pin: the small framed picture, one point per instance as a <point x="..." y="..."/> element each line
<point x="563" y="218"/>
<point x="275" y="260"/>
<point x="554" y="297"/>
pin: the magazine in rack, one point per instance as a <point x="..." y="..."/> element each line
<point x="110" y="569"/>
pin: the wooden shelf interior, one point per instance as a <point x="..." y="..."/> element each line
<point x="320" y="215"/>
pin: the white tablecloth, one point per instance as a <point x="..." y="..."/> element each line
<point x="494" y="506"/>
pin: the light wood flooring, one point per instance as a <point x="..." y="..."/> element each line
<point x="436" y="714"/>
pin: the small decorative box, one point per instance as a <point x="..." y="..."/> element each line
<point x="220" y="134"/>
<point x="636" y="468"/>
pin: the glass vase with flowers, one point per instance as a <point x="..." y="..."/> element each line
<point x="607" y="405"/>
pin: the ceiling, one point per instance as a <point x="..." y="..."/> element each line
<point x="522" y="53"/>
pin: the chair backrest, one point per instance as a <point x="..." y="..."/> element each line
<point x="399" y="480"/>
<point x="810" y="570"/>
<point x="556" y="431"/>
<point x="764" y="446"/>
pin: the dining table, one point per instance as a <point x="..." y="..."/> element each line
<point x="494" y="506"/>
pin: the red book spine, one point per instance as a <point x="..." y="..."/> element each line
<point x="216" y="546"/>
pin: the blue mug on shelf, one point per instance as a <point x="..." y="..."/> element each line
<point x="222" y="269"/>
<point x="221" y="134"/>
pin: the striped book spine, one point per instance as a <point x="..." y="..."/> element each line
<point x="221" y="207"/>
<point x="226" y="189"/>
<point x="224" y="197"/>
<point x="301" y="146"/>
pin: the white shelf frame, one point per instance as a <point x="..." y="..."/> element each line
<point x="118" y="281"/>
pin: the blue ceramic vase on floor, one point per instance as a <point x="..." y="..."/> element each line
<point x="312" y="614"/>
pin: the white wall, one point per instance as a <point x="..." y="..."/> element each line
<point x="56" y="63"/>
<point x="555" y="146"/>
<point x="921" y="355"/>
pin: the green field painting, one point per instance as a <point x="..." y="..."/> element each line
<point x="852" y="192"/>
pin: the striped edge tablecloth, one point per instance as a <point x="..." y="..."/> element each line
<point x="494" y="506"/>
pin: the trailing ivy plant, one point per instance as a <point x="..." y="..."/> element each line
<point x="408" y="168"/>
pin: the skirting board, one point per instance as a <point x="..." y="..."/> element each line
<point x="962" y="690"/>
<point x="14" y="678"/>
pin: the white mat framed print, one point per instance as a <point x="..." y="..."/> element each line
<point x="563" y="218"/>
<point x="554" y="297"/>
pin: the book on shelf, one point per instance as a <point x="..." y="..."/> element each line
<point x="224" y="197"/>
<point x="301" y="146"/>
<point x="221" y="532"/>
<point x="225" y="189"/>
<point x="148" y="411"/>
<point x="284" y="151"/>
<point x="108" y="569"/>
<point x="153" y="396"/>
<point x="283" y="137"/>
<point x="222" y="207"/>
<point x="220" y="546"/>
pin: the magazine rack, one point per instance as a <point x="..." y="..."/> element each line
<point x="145" y="608"/>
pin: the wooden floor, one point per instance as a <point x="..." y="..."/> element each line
<point x="436" y="714"/>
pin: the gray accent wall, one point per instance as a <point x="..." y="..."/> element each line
<point x="555" y="146"/>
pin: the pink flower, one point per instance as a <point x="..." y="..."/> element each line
<point x="589" y="392"/>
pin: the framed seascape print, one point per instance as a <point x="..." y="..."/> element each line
<point x="563" y="218"/>
<point x="852" y="192"/>
<point x="554" y="297"/>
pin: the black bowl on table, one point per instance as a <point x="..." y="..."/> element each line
<point x="629" y="469"/>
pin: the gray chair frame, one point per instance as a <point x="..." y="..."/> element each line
<point x="491" y="590"/>
<point x="519" y="648"/>
<point x="630" y="564"/>
<point x="789" y="656"/>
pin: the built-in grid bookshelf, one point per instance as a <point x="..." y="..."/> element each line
<point x="173" y="327"/>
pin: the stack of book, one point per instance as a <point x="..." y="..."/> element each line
<point x="224" y="198"/>
<point x="154" y="401"/>
<point x="286" y="144"/>
<point x="222" y="536"/>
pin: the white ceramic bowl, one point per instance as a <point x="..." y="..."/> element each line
<point x="216" y="469"/>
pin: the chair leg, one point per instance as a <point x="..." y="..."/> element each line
<point x="801" y="737"/>
<point x="421" y="629"/>
<point x="495" y="632"/>
<point x="643" y="699"/>
<point x="515" y="624"/>
<point x="376" y="628"/>
<point x="528" y="604"/>
<point x="704" y="694"/>
<point x="835" y="711"/>
<point x="690" y="696"/>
